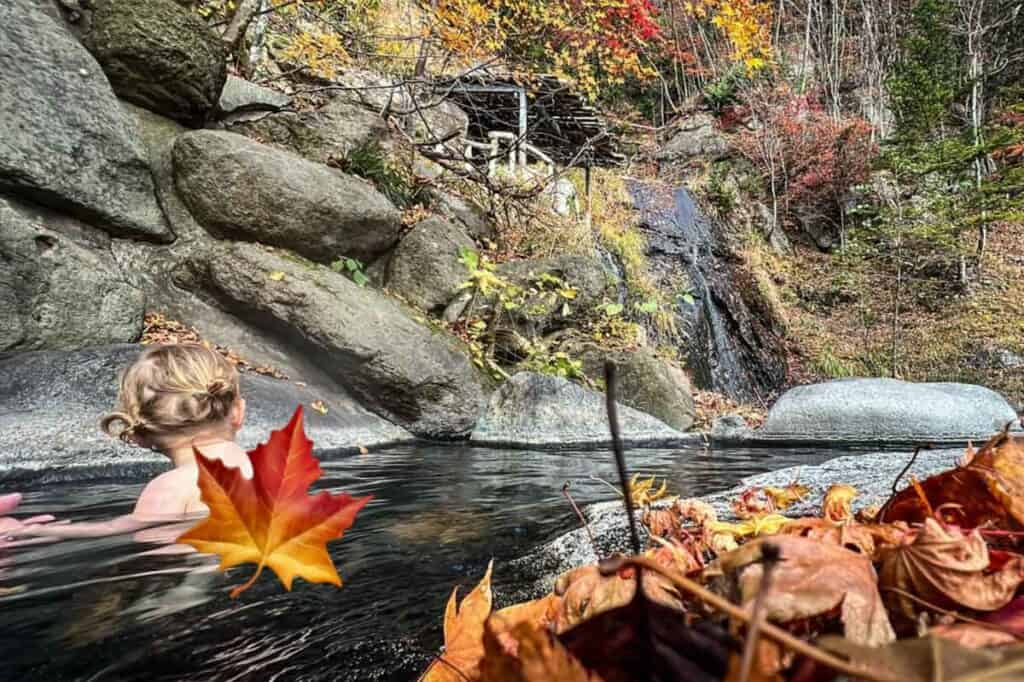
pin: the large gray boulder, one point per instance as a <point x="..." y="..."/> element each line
<point x="240" y="189"/>
<point x="159" y="56"/>
<point x="59" y="285"/>
<point x="394" y="366"/>
<point x="65" y="142"/>
<point x="425" y="269"/>
<point x="697" y="138"/>
<point x="329" y="135"/>
<point x="646" y="383"/>
<point x="51" y="404"/>
<point x="536" y="410"/>
<point x="879" y="410"/>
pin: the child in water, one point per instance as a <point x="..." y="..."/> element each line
<point x="172" y="399"/>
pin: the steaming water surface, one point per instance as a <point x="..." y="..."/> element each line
<point x="123" y="609"/>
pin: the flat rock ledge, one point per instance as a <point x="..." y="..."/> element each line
<point x="872" y="474"/>
<point x="51" y="403"/>
<point x="536" y="410"/>
<point x="885" y="411"/>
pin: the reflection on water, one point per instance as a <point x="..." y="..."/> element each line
<point x="112" y="609"/>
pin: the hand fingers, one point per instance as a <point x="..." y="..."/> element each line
<point x="9" y="502"/>
<point x="42" y="518"/>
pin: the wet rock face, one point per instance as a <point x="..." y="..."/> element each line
<point x="878" y="410"/>
<point x="158" y="55"/>
<point x="364" y="341"/>
<point x="538" y="410"/>
<point x="730" y="344"/>
<point x="51" y="404"/>
<point x="60" y="287"/>
<point x="240" y="189"/>
<point x="65" y="143"/>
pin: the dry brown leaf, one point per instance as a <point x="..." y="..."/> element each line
<point x="811" y="579"/>
<point x="948" y="569"/>
<point x="463" y="635"/>
<point x="535" y="655"/>
<point x="538" y="613"/>
<point x="585" y="592"/>
<point x="931" y="659"/>
<point x="988" y="490"/>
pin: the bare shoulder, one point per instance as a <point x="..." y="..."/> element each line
<point x="169" y="493"/>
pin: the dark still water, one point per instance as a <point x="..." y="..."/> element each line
<point x="116" y="609"/>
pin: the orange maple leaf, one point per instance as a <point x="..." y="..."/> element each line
<point x="463" y="635"/>
<point x="270" y="519"/>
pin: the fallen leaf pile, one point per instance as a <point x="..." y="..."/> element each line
<point x="927" y="588"/>
<point x="270" y="519"/>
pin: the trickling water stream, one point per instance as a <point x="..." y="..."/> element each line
<point x="728" y="347"/>
<point x="109" y="609"/>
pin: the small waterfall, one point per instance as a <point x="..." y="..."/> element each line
<point x="728" y="348"/>
<point x="613" y="268"/>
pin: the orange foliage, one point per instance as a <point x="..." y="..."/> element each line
<point x="270" y="520"/>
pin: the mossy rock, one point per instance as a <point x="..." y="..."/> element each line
<point x="158" y="55"/>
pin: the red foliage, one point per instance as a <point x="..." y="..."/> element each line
<point x="816" y="157"/>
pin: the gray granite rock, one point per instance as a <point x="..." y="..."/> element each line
<point x="396" y="367"/>
<point x="536" y="410"/>
<point x="239" y="95"/>
<point x="697" y="138"/>
<point x="329" y="135"/>
<point x="240" y="189"/>
<point x="425" y="269"/>
<point x="51" y="404"/>
<point x="158" y="55"/>
<point x="60" y="287"/>
<point x="731" y="428"/>
<point x="886" y="410"/>
<point x="64" y="141"/>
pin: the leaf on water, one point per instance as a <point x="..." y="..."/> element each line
<point x="319" y="405"/>
<point x="948" y="569"/>
<point x="463" y="635"/>
<point x="270" y="519"/>
<point x="276" y="276"/>
<point x="838" y="503"/>
<point x="811" y="579"/>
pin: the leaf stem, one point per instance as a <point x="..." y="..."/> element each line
<point x="248" y="583"/>
<point x="583" y="519"/>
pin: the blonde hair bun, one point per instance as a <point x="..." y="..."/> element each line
<point x="171" y="393"/>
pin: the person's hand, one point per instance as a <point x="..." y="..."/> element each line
<point x="11" y="528"/>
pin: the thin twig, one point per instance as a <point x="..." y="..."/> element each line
<point x="583" y="519"/>
<point x="620" y="456"/>
<point x="770" y="631"/>
<point x="769" y="558"/>
<point x="913" y="458"/>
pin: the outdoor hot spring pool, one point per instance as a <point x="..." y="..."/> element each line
<point x="112" y="609"/>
